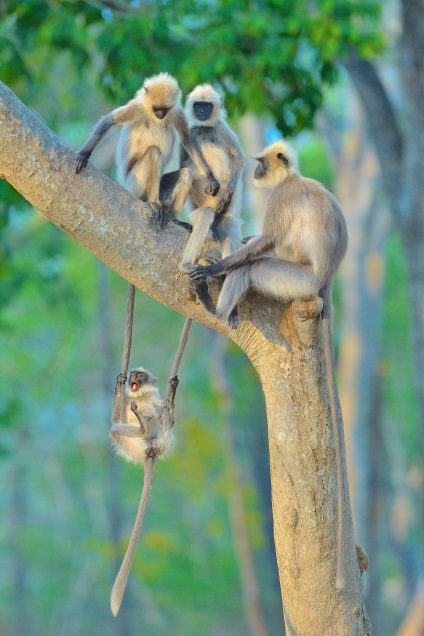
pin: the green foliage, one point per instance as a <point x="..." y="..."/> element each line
<point x="267" y="57"/>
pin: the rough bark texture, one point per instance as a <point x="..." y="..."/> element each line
<point x="284" y="344"/>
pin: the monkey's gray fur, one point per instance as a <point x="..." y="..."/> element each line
<point x="214" y="217"/>
<point x="150" y="122"/>
<point x="141" y="438"/>
<point x="300" y="248"/>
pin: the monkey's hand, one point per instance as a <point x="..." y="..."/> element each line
<point x="81" y="160"/>
<point x="140" y="416"/>
<point x="213" y="186"/>
<point x="200" y="272"/>
<point x="224" y="203"/>
<point x="121" y="378"/>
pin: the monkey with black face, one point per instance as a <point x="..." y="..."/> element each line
<point x="150" y="121"/>
<point x="142" y="437"/>
<point x="297" y="254"/>
<point x="216" y="217"/>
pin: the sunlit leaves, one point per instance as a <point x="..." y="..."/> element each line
<point x="270" y="56"/>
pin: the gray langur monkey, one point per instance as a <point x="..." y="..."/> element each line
<point x="142" y="437"/>
<point x="297" y="254"/>
<point x="145" y="147"/>
<point x="216" y="217"/>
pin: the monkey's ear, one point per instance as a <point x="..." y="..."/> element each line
<point x="283" y="158"/>
<point x="145" y="89"/>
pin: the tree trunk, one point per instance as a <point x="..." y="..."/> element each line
<point x="248" y="579"/>
<point x="283" y="344"/>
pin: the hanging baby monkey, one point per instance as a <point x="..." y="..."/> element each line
<point x="141" y="432"/>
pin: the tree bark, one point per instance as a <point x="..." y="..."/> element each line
<point x="284" y="345"/>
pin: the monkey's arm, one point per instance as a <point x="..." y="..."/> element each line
<point x="119" y="411"/>
<point x="236" y="166"/>
<point x="121" y="115"/>
<point x="257" y="246"/>
<point x="194" y="151"/>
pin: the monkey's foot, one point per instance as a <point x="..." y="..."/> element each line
<point x="160" y="215"/>
<point x="233" y="319"/>
<point x="213" y="186"/>
<point x="199" y="272"/>
<point x="201" y="289"/>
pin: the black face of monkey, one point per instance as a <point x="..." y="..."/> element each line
<point x="160" y="111"/>
<point x="203" y="110"/>
<point x="261" y="168"/>
<point x="137" y="378"/>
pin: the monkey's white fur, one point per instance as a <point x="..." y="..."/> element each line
<point x="221" y="150"/>
<point x="150" y="122"/>
<point x="141" y="442"/>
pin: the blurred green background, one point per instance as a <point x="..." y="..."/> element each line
<point x="206" y="563"/>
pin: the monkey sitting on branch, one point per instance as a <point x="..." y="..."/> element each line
<point x="300" y="248"/>
<point x="141" y="433"/>
<point x="145" y="147"/>
<point x="216" y="217"/>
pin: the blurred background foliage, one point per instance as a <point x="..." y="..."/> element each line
<point x="206" y="562"/>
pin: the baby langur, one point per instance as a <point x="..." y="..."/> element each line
<point x="142" y="437"/>
<point x="145" y="147"/>
<point x="215" y="217"/>
<point x="297" y="254"/>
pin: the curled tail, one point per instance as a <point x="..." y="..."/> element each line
<point x="122" y="576"/>
<point x="327" y="329"/>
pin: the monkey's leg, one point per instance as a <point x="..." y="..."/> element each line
<point x="229" y="234"/>
<point x="144" y="177"/>
<point x="233" y="290"/>
<point x="283" y="279"/>
<point x="202" y="292"/>
<point x="202" y="219"/>
<point x="173" y="193"/>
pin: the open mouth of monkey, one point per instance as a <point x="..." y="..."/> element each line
<point x="135" y="386"/>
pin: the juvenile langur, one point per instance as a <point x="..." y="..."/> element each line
<point x="145" y="146"/>
<point x="142" y="437"/>
<point x="297" y="254"/>
<point x="215" y="217"/>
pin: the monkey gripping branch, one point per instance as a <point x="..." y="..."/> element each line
<point x="283" y="342"/>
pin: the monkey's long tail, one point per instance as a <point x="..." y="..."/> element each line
<point x="336" y="417"/>
<point x="122" y="576"/>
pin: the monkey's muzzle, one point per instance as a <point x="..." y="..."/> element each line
<point x="135" y="386"/>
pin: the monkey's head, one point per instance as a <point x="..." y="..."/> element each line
<point x="204" y="106"/>
<point x="140" y="382"/>
<point x="276" y="162"/>
<point x="159" y="94"/>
